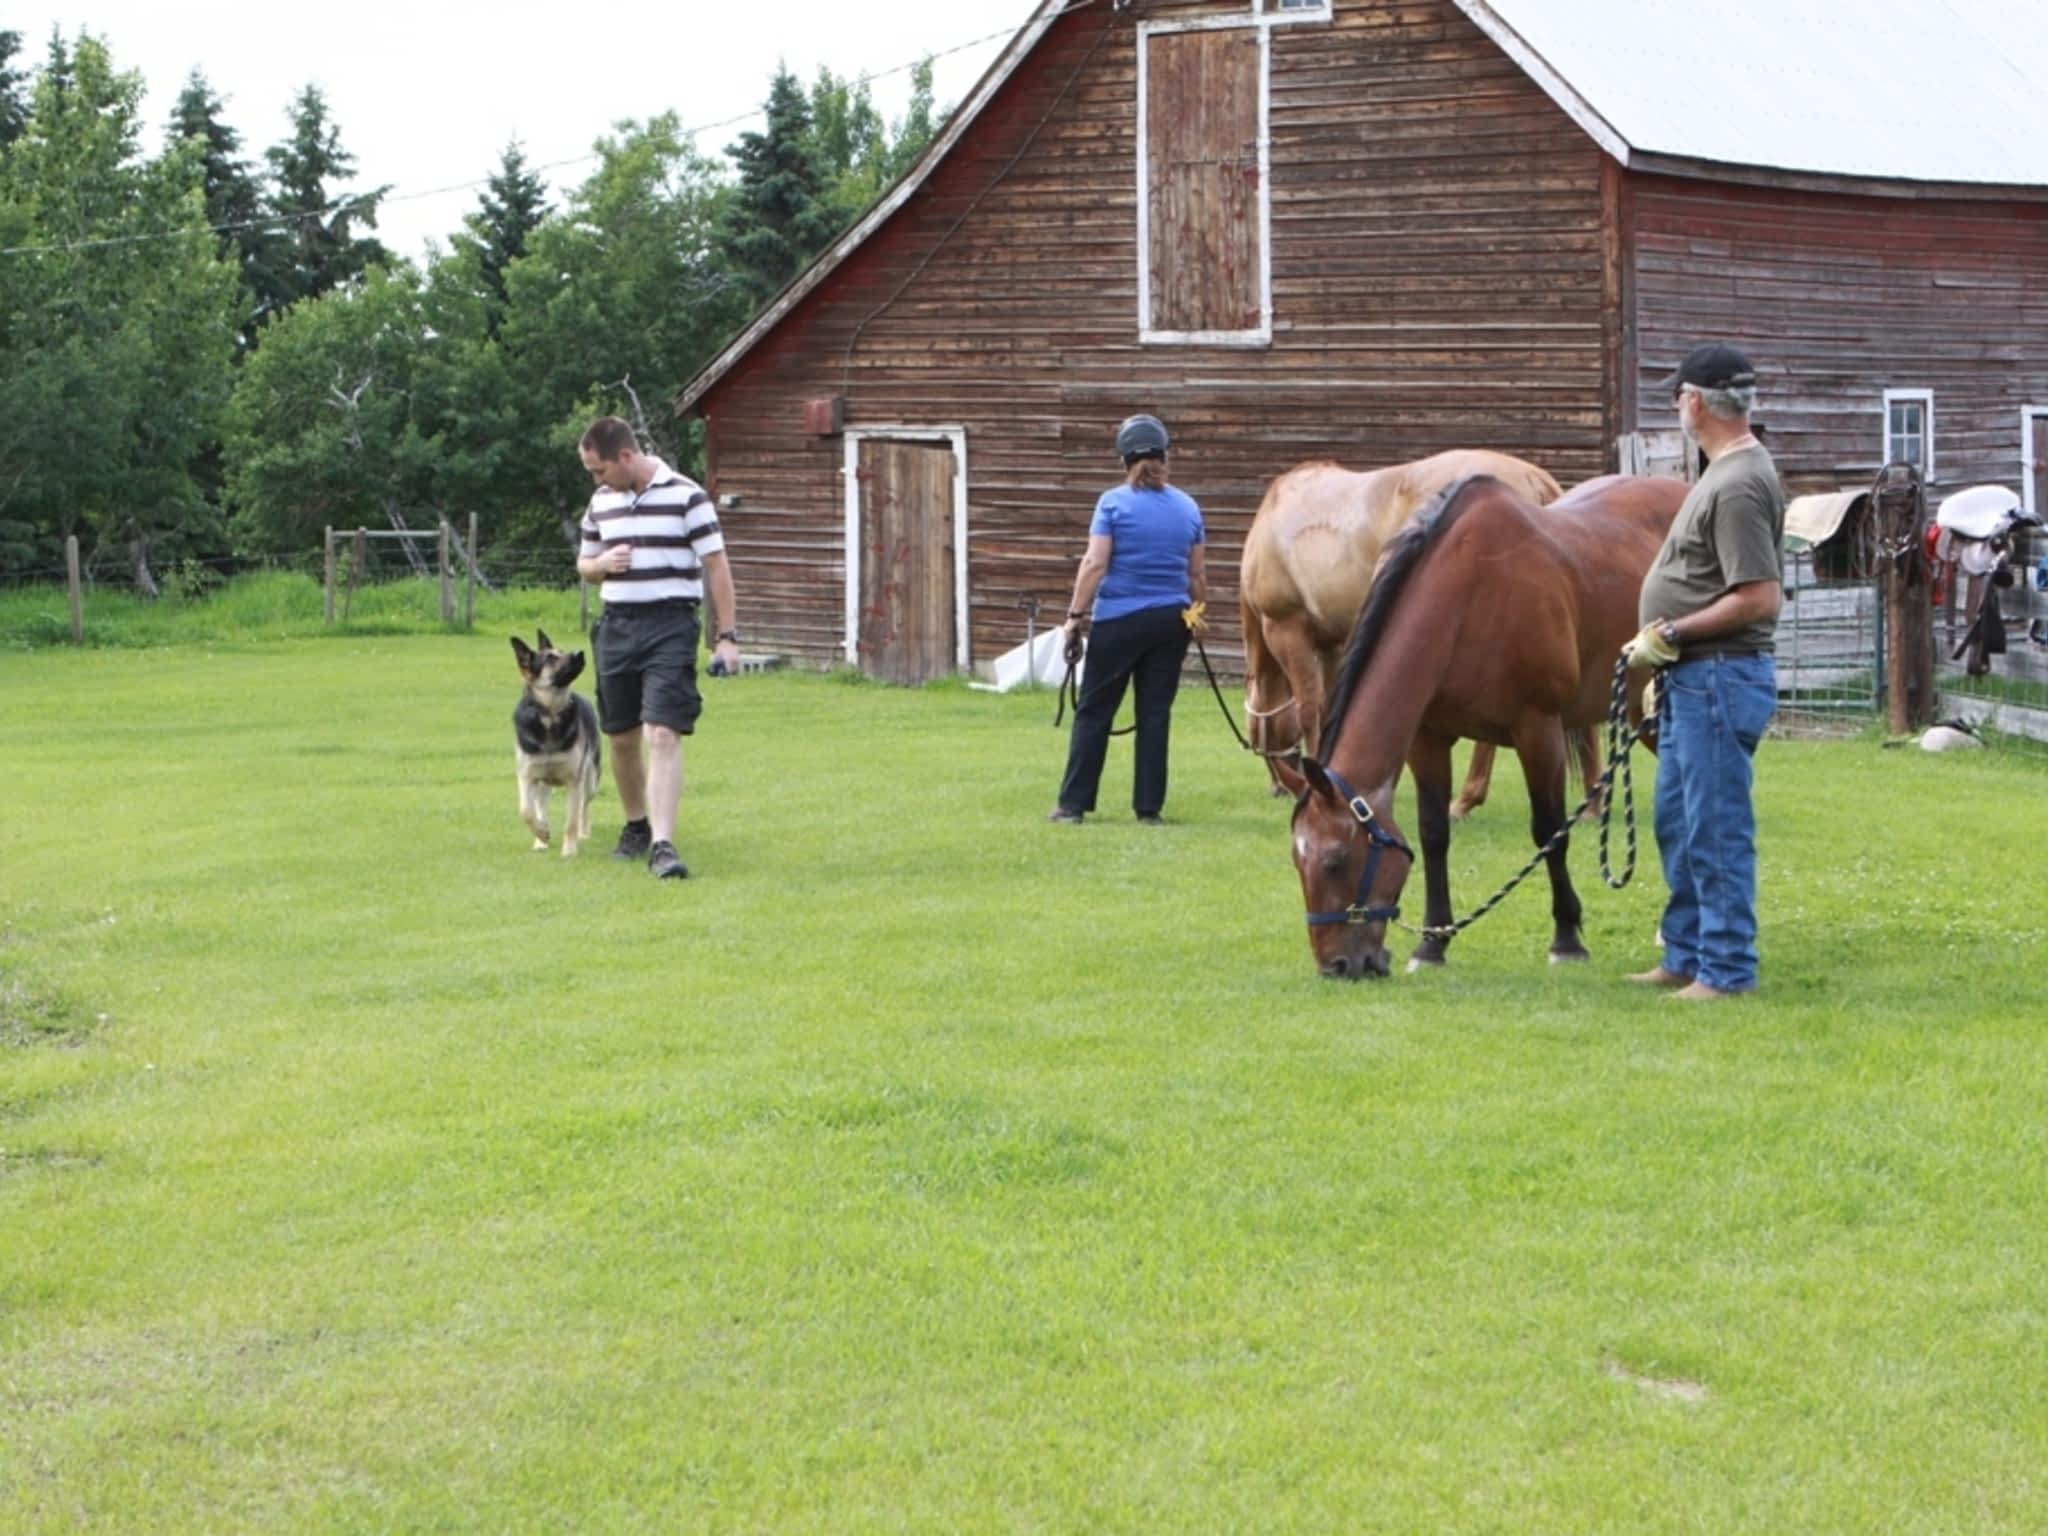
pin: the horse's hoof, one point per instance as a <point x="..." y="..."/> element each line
<point x="1460" y="810"/>
<point x="1422" y="962"/>
<point x="1569" y="956"/>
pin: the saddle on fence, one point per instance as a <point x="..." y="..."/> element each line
<point x="1975" y="532"/>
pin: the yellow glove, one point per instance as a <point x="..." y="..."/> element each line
<point x="1650" y="648"/>
<point x="1650" y="697"/>
<point x="1195" y="616"/>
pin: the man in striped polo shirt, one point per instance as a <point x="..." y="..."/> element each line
<point x="651" y="536"/>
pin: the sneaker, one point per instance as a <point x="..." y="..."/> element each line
<point x="1061" y="814"/>
<point x="664" y="863"/>
<point x="634" y="841"/>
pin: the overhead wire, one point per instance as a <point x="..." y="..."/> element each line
<point x="383" y="200"/>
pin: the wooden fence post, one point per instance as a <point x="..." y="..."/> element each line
<point x="447" y="577"/>
<point x="358" y="568"/>
<point x="77" y="590"/>
<point x="327" y="560"/>
<point x="469" y="579"/>
<point x="1911" y="700"/>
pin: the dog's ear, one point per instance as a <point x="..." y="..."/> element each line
<point x="570" y="669"/>
<point x="542" y="636"/>
<point x="525" y="655"/>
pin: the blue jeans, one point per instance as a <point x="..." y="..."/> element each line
<point x="1712" y="713"/>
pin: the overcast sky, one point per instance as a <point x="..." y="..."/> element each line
<point x="428" y="94"/>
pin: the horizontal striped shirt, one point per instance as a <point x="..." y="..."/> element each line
<point x="671" y="525"/>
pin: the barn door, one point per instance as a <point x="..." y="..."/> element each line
<point x="906" y="625"/>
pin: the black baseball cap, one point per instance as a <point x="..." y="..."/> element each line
<point x="1716" y="365"/>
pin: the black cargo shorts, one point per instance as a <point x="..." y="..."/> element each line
<point x="647" y="666"/>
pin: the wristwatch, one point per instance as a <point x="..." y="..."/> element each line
<point x="1669" y="631"/>
<point x="727" y="634"/>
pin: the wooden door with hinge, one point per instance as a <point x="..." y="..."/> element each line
<point x="906" y="627"/>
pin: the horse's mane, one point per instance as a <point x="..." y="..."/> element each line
<point x="1403" y="552"/>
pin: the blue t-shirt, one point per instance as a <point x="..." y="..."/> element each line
<point x="1152" y="533"/>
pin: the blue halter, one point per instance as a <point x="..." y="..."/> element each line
<point x="1382" y="839"/>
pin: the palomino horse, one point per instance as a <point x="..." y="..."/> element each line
<point x="1308" y="562"/>
<point x="1491" y="619"/>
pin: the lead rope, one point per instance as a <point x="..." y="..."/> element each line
<point x="1621" y="739"/>
<point x="1070" y="689"/>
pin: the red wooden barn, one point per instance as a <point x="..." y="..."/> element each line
<point x="1367" y="230"/>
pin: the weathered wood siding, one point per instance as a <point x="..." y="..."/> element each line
<point x="1438" y="278"/>
<point x="1839" y="298"/>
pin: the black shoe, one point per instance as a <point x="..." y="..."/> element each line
<point x="664" y="863"/>
<point x="1149" y="819"/>
<point x="634" y="841"/>
<point x="1062" y="814"/>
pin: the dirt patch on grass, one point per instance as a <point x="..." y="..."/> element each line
<point x="31" y="1016"/>
<point x="15" y="1160"/>
<point x="1675" y="1388"/>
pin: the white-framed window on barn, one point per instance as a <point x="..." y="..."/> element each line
<point x="1909" y="430"/>
<point x="1205" y="226"/>
<point x="1293" y="10"/>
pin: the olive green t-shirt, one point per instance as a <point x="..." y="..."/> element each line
<point x="1727" y="534"/>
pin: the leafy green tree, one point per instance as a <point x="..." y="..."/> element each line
<point x="320" y="428"/>
<point x="851" y="144"/>
<point x="319" y="247"/>
<point x="779" y="217"/>
<point x="919" y="122"/>
<point x="13" y="96"/>
<point x="622" y="297"/>
<point x="116" y="328"/>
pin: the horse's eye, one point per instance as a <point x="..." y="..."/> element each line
<point x="1333" y="862"/>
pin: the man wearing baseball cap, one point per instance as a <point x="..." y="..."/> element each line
<point x="1709" y="610"/>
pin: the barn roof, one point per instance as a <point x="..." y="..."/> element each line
<point x="1900" y="92"/>
<point x="1941" y="91"/>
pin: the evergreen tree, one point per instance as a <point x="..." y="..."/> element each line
<point x="318" y="248"/>
<point x="232" y="197"/>
<point x="778" y="218"/>
<point x="13" y="95"/>
<point x="512" y="208"/>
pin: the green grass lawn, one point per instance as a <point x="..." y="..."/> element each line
<point x="919" y="1165"/>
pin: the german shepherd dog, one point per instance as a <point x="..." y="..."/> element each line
<point x="557" y="741"/>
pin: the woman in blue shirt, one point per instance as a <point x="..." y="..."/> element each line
<point x="1141" y="587"/>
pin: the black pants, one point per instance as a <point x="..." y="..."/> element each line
<point x="1148" y="647"/>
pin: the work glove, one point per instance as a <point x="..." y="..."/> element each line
<point x="1077" y="643"/>
<point x="1195" y="616"/>
<point x="1650" y="649"/>
<point x="1650" y="696"/>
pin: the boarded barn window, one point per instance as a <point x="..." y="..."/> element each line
<point x="1202" y="206"/>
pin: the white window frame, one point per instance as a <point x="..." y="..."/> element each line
<point x="1884" y="444"/>
<point x="1262" y="334"/>
<point x="2029" y="448"/>
<point x="956" y="439"/>
<point x="1270" y="12"/>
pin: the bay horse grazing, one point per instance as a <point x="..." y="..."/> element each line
<point x="1307" y="565"/>
<point x="1491" y="619"/>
